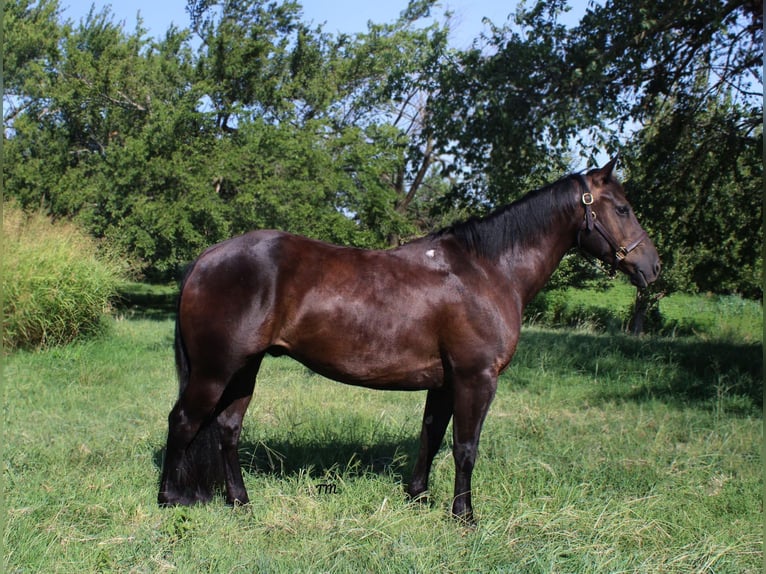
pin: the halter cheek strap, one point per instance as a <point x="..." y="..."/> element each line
<point x="591" y="222"/>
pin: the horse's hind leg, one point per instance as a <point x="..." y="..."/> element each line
<point x="188" y="474"/>
<point x="436" y="417"/>
<point x="235" y="401"/>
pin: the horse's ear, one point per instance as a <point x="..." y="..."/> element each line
<point x="604" y="174"/>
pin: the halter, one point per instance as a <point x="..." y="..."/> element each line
<point x="591" y="222"/>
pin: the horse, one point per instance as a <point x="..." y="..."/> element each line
<point x="441" y="313"/>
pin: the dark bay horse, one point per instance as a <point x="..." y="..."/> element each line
<point x="442" y="313"/>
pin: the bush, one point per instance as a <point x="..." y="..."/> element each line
<point x="576" y="308"/>
<point x="678" y="314"/>
<point x="56" y="285"/>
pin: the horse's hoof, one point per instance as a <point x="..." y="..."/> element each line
<point x="419" y="498"/>
<point x="466" y="519"/>
<point x="169" y="500"/>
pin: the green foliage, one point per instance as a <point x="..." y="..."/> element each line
<point x="30" y="34"/>
<point x="648" y="51"/>
<point x="696" y="181"/>
<point x="162" y="152"/>
<point x="120" y="146"/>
<point x="498" y="111"/>
<point x="561" y="308"/>
<point x="601" y="453"/>
<point x="243" y="58"/>
<point x="686" y="74"/>
<point x="253" y="118"/>
<point x="57" y="286"/>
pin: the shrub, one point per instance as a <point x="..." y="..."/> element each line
<point x="575" y="308"/>
<point x="56" y="285"/>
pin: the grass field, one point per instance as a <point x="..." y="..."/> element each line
<point x="601" y="453"/>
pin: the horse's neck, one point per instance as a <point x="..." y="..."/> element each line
<point x="530" y="268"/>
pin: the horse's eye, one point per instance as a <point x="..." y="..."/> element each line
<point x="623" y="210"/>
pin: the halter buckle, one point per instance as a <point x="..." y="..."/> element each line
<point x="587" y="198"/>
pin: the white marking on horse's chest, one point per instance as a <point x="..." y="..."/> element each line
<point x="431" y="253"/>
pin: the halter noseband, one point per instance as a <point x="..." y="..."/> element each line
<point x="591" y="222"/>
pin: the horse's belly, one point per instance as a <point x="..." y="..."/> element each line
<point x="393" y="378"/>
<point x="388" y="338"/>
<point x="374" y="363"/>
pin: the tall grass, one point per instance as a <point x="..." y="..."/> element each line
<point x="57" y="287"/>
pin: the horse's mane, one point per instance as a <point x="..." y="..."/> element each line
<point x="517" y="224"/>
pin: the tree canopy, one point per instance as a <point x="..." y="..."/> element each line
<point x="252" y="117"/>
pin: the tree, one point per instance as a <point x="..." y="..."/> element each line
<point x="505" y="112"/>
<point x="162" y="151"/>
<point x="696" y="177"/>
<point x="369" y="138"/>
<point x="243" y="58"/>
<point x="395" y="68"/>
<point x="361" y="100"/>
<point x="649" y="50"/>
<point x="30" y="51"/>
<point x="115" y="141"/>
<point x="31" y="32"/>
<point x="688" y="74"/>
<point x="685" y="77"/>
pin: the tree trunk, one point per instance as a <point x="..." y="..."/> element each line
<point x="645" y="303"/>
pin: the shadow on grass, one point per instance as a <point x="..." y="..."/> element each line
<point x="281" y="458"/>
<point x="317" y="459"/>
<point x="141" y="301"/>
<point x="688" y="370"/>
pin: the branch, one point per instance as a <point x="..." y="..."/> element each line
<point x="14" y="112"/>
<point x="419" y="177"/>
<point x="125" y="102"/>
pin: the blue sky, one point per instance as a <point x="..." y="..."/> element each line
<point x="347" y="16"/>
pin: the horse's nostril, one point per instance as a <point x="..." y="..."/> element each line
<point x="657" y="267"/>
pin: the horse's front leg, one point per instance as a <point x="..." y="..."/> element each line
<point x="472" y="397"/>
<point x="436" y="417"/>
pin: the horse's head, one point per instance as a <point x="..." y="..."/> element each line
<point x="610" y="230"/>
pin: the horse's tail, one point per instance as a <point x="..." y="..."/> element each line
<point x="182" y="357"/>
<point x="183" y="369"/>
<point x="201" y="471"/>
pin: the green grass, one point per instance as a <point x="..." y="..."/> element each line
<point x="706" y="316"/>
<point x="601" y="453"/>
<point x="146" y="301"/>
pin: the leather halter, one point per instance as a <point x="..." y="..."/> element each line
<point x="591" y="222"/>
